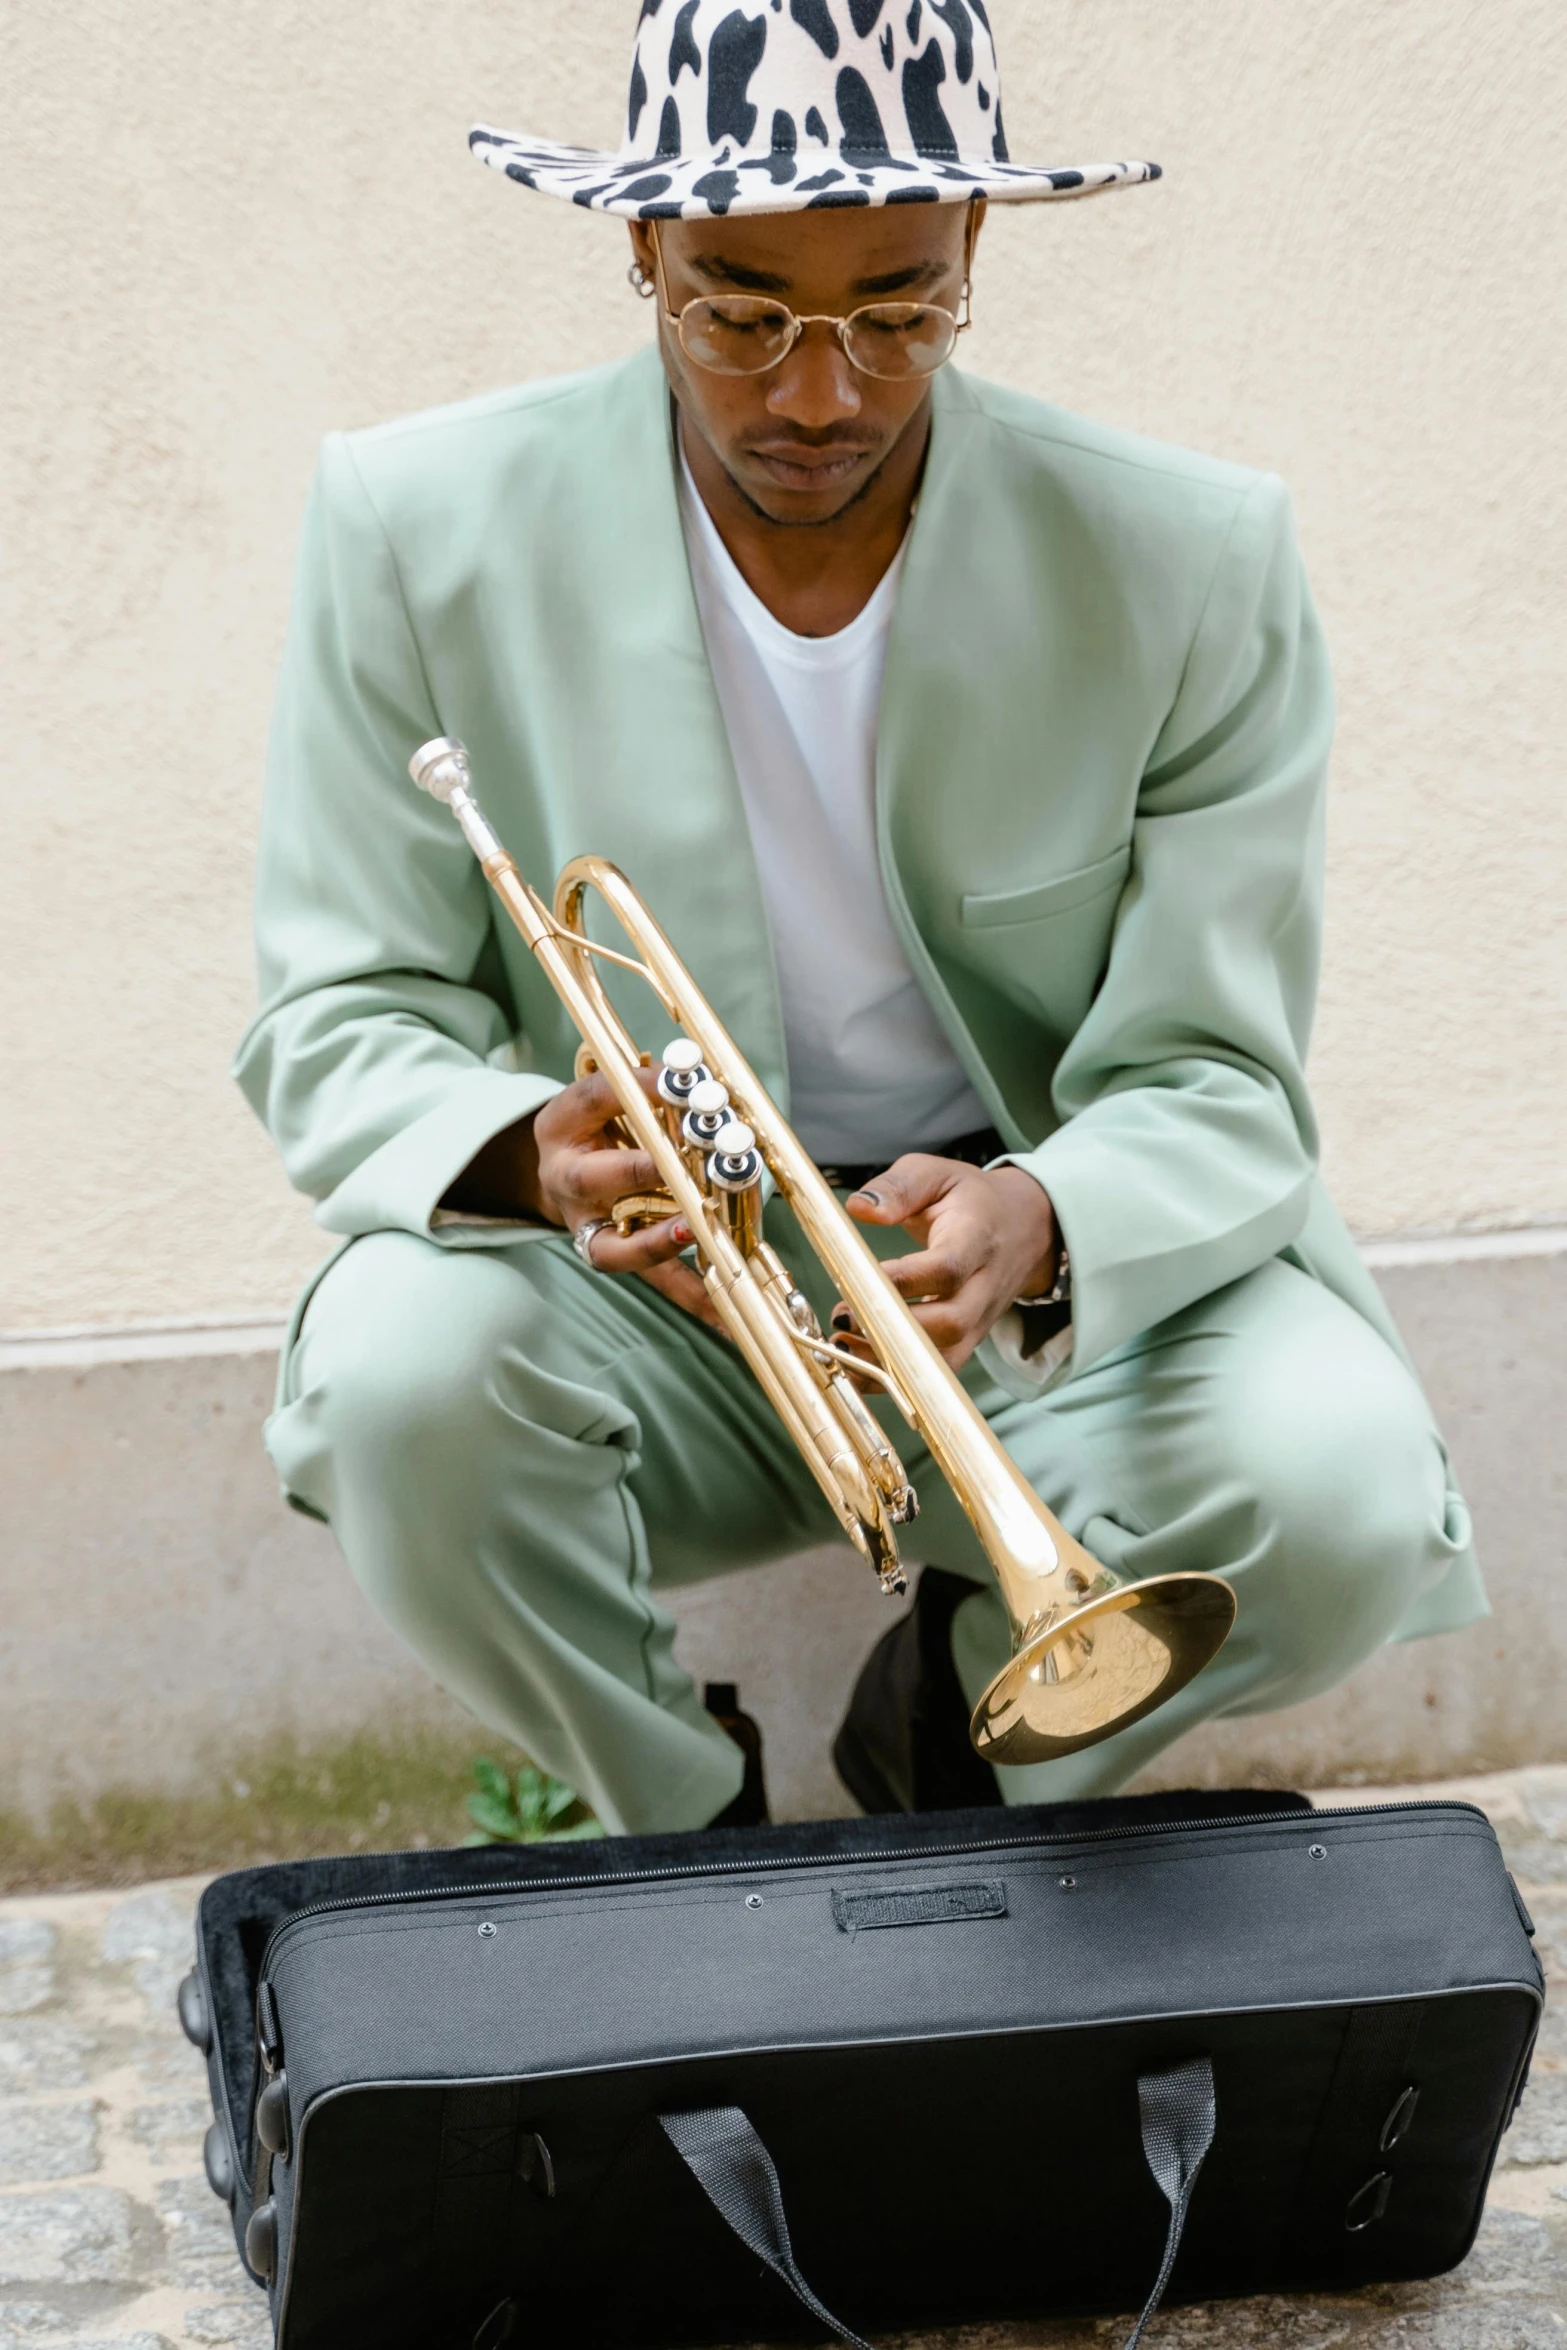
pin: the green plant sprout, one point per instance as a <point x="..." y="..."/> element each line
<point x="536" y="1809"/>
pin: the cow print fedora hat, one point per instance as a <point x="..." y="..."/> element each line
<point x="789" y="105"/>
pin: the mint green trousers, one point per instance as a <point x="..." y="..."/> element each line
<point x="516" y="1455"/>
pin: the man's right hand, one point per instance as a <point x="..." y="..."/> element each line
<point x="567" y="1166"/>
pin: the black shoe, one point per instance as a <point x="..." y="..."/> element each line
<point x="904" y="1744"/>
<point x="749" y="1807"/>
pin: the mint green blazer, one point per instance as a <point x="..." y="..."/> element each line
<point x="1100" y="784"/>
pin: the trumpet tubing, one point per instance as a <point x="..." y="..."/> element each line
<point x="1091" y="1655"/>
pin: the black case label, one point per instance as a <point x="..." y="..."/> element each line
<point x="918" y="1905"/>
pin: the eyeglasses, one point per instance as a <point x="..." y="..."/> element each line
<point x="747" y="334"/>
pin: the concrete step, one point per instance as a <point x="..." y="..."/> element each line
<point x="189" y="1674"/>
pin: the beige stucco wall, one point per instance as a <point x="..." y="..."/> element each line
<point x="227" y="230"/>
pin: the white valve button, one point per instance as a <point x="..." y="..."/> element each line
<point x="709" y="1099"/>
<point x="734" y="1164"/>
<point x="682" y="1056"/>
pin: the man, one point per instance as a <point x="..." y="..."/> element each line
<point x="973" y="755"/>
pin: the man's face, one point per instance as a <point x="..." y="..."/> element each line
<point x="803" y="441"/>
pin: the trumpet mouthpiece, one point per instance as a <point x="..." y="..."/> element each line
<point x="441" y="768"/>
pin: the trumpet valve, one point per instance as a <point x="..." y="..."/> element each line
<point x="707" y="1114"/>
<point x="681" y="1070"/>
<point x="733" y="1162"/>
<point x="734" y="1171"/>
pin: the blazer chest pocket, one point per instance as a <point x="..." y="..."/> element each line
<point x="1004" y="909"/>
<point x="1045" y="948"/>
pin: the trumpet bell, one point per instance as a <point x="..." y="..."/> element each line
<point x="1102" y="1667"/>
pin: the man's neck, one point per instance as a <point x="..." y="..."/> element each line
<point x="815" y="579"/>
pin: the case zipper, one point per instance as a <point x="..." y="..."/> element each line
<point x="736" y="1868"/>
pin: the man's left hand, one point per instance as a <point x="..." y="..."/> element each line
<point x="986" y="1238"/>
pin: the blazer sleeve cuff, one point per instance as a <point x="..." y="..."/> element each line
<point x="1116" y="1295"/>
<point x="399" y="1188"/>
<point x="1021" y="1373"/>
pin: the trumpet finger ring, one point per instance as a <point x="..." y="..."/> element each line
<point x="586" y="1234"/>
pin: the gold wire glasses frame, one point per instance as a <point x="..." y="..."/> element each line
<point x="748" y="334"/>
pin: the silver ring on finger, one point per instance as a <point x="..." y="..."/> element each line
<point x="586" y="1234"/>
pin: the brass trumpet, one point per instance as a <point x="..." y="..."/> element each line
<point x="1091" y="1654"/>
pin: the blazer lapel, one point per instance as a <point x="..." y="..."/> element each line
<point x="1021" y="682"/>
<point x="937" y="722"/>
<point x="614" y="707"/>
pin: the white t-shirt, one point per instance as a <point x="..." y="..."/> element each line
<point x="871" y="1072"/>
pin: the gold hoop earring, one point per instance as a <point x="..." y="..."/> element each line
<point x="640" y="282"/>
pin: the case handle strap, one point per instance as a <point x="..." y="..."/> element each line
<point x="1179" y="2116"/>
<point x="729" y="2162"/>
<point x="735" y="2171"/>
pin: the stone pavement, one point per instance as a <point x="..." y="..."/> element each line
<point x="109" y="2234"/>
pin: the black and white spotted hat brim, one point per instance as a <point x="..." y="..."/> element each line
<point x="740" y="106"/>
<point x="703" y="187"/>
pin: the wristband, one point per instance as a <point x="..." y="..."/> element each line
<point x="1060" y="1291"/>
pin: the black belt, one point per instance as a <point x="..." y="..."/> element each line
<point x="975" y="1150"/>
